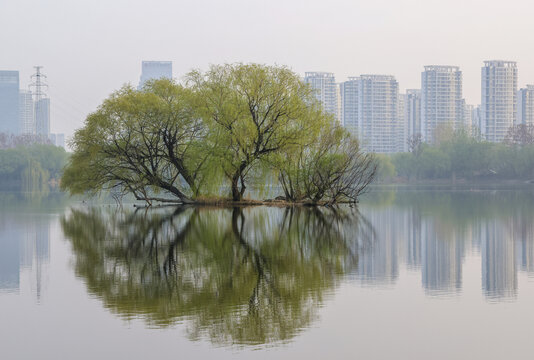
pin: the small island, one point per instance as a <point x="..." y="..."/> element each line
<point x="205" y="139"/>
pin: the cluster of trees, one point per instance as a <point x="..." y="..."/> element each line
<point x="32" y="168"/>
<point x="457" y="155"/>
<point x="213" y="136"/>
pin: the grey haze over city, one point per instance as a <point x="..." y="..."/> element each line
<point x="89" y="49"/>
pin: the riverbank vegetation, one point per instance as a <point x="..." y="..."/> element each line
<point x="458" y="156"/>
<point x="207" y="139"/>
<point x="31" y="167"/>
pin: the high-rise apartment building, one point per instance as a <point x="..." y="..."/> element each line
<point x="339" y="113"/>
<point x="402" y="128"/>
<point x="412" y="112"/>
<point x="441" y="99"/>
<point x="476" y="121"/>
<point x="9" y="102"/>
<point x="26" y="113"/>
<point x="468" y="118"/>
<point x="525" y="105"/>
<point x="57" y="139"/>
<point x="325" y="87"/>
<point x="378" y="113"/>
<point x="154" y="70"/>
<point x="349" y="105"/>
<point x="499" y="98"/>
<point x="42" y="117"/>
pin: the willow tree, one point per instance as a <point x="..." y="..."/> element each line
<point x="331" y="169"/>
<point x="143" y="143"/>
<point x="254" y="111"/>
<point x="219" y="128"/>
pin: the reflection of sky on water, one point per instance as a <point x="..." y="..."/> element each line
<point x="410" y="236"/>
<point x="24" y="249"/>
<point x="471" y="252"/>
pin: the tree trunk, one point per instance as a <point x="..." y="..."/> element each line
<point x="237" y="193"/>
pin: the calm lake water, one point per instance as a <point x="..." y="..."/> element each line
<point x="406" y="275"/>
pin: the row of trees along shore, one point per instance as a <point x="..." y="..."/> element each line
<point x="208" y="138"/>
<point x="30" y="163"/>
<point x="456" y="155"/>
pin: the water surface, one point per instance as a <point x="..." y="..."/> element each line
<point x="406" y="274"/>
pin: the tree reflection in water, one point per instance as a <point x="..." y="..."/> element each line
<point x="236" y="276"/>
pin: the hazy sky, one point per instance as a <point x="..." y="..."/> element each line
<point x="90" y="48"/>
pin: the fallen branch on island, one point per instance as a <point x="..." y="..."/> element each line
<point x="244" y="202"/>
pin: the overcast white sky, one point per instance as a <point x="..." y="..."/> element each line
<point x="90" y="48"/>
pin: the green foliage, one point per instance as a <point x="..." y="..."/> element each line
<point x="254" y="111"/>
<point x="142" y="142"/>
<point x="386" y="169"/>
<point x="222" y="129"/>
<point x="331" y="168"/>
<point x="31" y="168"/>
<point x="460" y="156"/>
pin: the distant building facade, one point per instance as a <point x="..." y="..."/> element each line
<point x="402" y="129"/>
<point x="326" y="90"/>
<point x="525" y="105"/>
<point x="412" y="112"/>
<point x="441" y="99"/>
<point x="476" y="121"/>
<point x="42" y="117"/>
<point x="468" y="118"/>
<point x="9" y="102"/>
<point x="373" y="110"/>
<point x="26" y="113"/>
<point x="57" y="139"/>
<point x="499" y="98"/>
<point x="378" y="113"/>
<point x="154" y="70"/>
<point x="349" y="105"/>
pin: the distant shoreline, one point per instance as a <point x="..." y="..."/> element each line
<point x="450" y="183"/>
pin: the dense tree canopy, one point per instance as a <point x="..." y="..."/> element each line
<point x="212" y="136"/>
<point x="460" y="156"/>
<point x="141" y="142"/>
<point x="31" y="168"/>
<point x="330" y="168"/>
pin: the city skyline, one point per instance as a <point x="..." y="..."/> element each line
<point x="26" y="112"/>
<point x="442" y="84"/>
<point x="101" y="51"/>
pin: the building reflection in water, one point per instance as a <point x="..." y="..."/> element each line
<point x="412" y="223"/>
<point x="24" y="249"/>
<point x="499" y="270"/>
<point x="442" y="256"/>
<point x="524" y="232"/>
<point x="432" y="233"/>
<point x="378" y="263"/>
